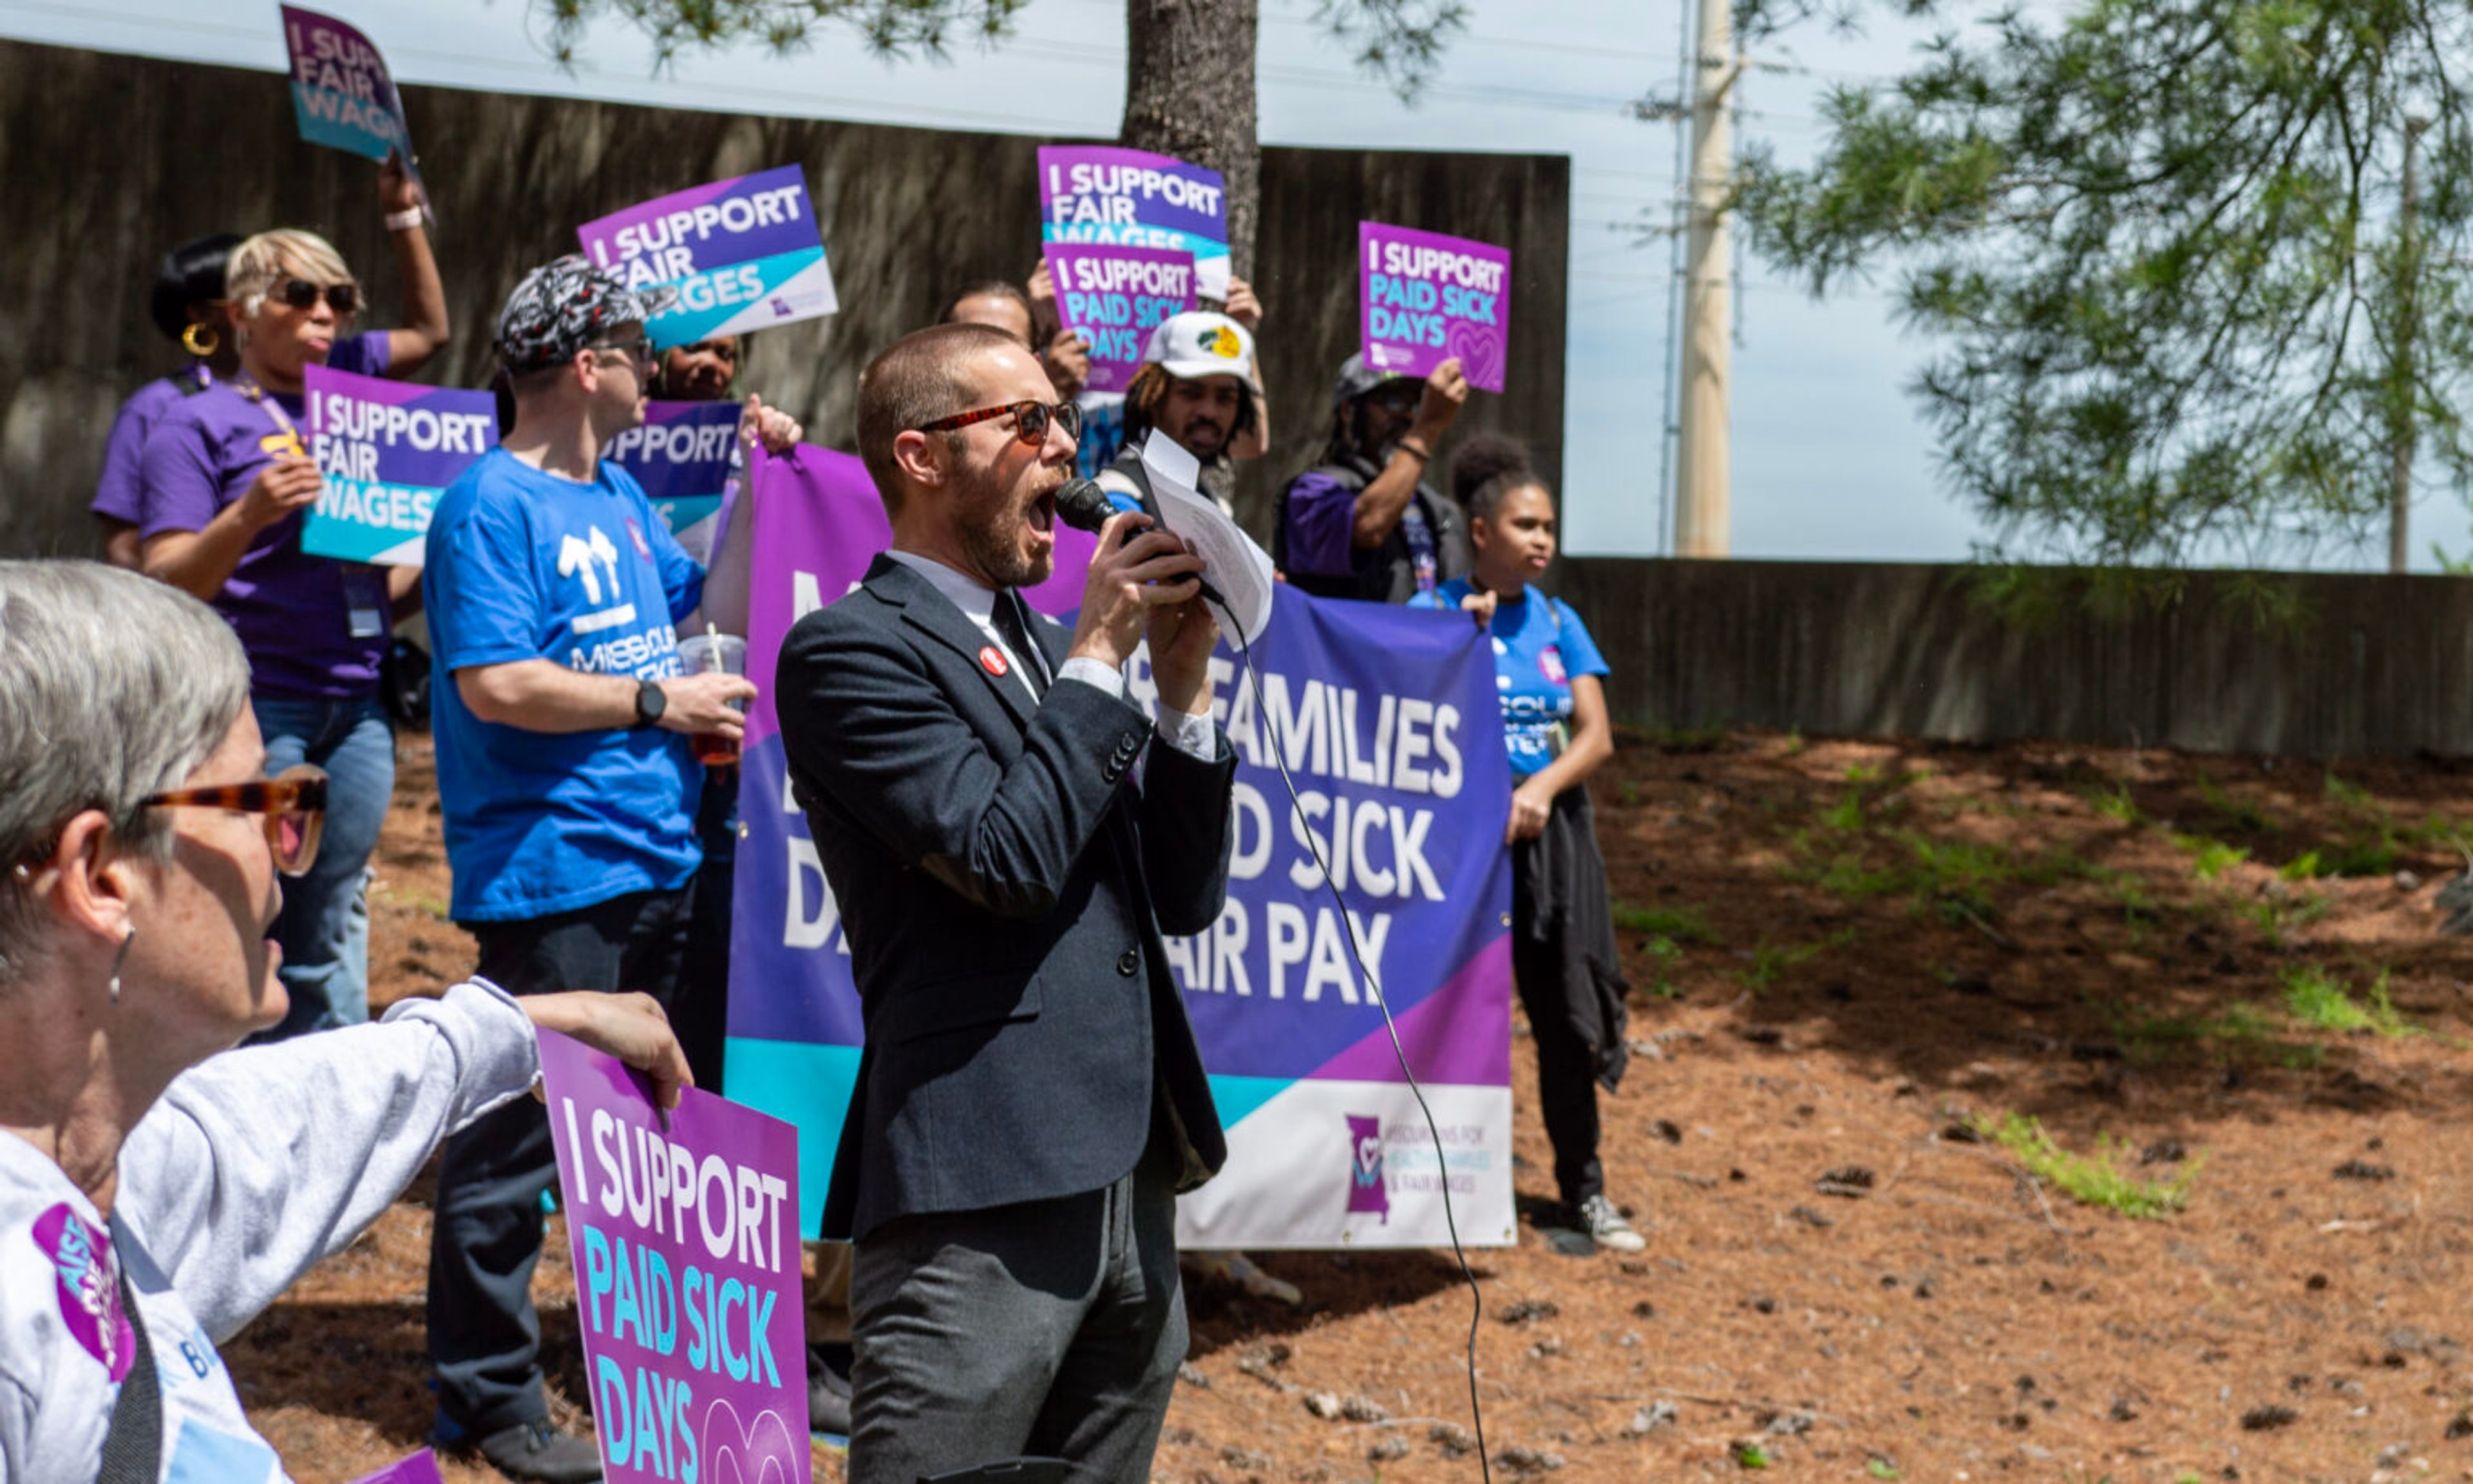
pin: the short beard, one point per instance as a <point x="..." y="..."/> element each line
<point x="987" y="531"/>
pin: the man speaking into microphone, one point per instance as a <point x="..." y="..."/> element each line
<point x="1030" y="1099"/>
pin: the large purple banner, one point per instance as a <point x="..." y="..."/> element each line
<point x="1387" y="719"/>
<point x="685" y="1239"/>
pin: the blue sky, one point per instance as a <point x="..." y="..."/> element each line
<point x="1830" y="461"/>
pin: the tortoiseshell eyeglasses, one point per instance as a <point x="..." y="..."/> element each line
<point x="292" y="803"/>
<point x="1030" y="421"/>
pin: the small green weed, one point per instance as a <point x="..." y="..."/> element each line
<point x="2275" y="917"/>
<point x="2091" y="1180"/>
<point x="2115" y="804"/>
<point x="1664" y="953"/>
<point x="1684" y="924"/>
<point x="1769" y="961"/>
<point x="2319" y="1000"/>
<point x="2233" y="814"/>
<point x="2211" y="858"/>
<point x="2303" y="867"/>
<point x="1846" y="815"/>
<point x="1749" y="1454"/>
<point x="1882" y="1468"/>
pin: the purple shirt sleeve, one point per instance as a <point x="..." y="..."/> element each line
<point x="1322" y="527"/>
<point x="181" y="491"/>
<point x="119" y="494"/>
<point x="366" y="354"/>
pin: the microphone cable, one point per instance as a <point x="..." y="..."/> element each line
<point x="1082" y="504"/>
<point x="1374" y="988"/>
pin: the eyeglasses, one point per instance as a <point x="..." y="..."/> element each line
<point x="344" y="298"/>
<point x="638" y="350"/>
<point x="292" y="802"/>
<point x="1030" y="421"/>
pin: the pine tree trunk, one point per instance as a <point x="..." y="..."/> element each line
<point x="1189" y="93"/>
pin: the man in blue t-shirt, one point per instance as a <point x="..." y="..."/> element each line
<point x="555" y="597"/>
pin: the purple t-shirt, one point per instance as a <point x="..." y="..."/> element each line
<point x="315" y="629"/>
<point x="117" y="494"/>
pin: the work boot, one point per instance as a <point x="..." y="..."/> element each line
<point x="540" y="1450"/>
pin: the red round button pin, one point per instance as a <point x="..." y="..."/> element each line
<point x="993" y="661"/>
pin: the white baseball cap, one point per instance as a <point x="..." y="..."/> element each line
<point x="1199" y="344"/>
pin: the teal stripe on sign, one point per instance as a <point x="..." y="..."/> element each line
<point x="803" y="1084"/>
<point x="1239" y="1096"/>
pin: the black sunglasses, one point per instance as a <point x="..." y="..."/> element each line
<point x="344" y="298"/>
<point x="1030" y="421"/>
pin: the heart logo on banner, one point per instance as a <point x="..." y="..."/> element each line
<point x="1481" y="353"/>
<point x="760" y="1452"/>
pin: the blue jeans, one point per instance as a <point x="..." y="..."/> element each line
<point x="324" y="926"/>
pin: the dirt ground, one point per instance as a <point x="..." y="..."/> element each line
<point x="2217" y="981"/>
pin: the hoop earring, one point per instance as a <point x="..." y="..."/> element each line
<point x="199" y="340"/>
<point x="117" y="959"/>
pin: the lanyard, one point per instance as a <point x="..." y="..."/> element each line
<point x="246" y="386"/>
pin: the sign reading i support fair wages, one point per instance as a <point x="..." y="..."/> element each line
<point x="681" y="453"/>
<point x="386" y="448"/>
<point x="1103" y="195"/>
<point x="1113" y="295"/>
<point x="685" y="1242"/>
<point x="341" y="90"/>
<point x="742" y="256"/>
<point x="1425" y="297"/>
<point x="1386" y="716"/>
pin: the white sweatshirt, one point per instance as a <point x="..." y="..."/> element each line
<point x="254" y="1166"/>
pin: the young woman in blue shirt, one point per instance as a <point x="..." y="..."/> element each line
<point x="1548" y="675"/>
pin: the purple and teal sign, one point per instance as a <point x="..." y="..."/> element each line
<point x="1104" y="196"/>
<point x="685" y="1239"/>
<point x="1387" y="720"/>
<point x="1425" y="299"/>
<point x="682" y="454"/>
<point x="387" y="449"/>
<point x="341" y="90"/>
<point x="1113" y="295"/>
<point x="738" y="256"/>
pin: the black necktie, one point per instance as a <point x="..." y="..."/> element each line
<point x="1010" y="626"/>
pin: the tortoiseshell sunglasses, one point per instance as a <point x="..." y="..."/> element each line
<point x="293" y="803"/>
<point x="1029" y="425"/>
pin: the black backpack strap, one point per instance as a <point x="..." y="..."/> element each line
<point x="132" y="1450"/>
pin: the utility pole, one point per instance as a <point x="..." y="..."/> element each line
<point x="1702" y="519"/>
<point x="2400" y="410"/>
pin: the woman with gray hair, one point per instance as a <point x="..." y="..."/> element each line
<point x="156" y="1187"/>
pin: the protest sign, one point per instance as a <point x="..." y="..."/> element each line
<point x="1387" y="718"/>
<point x="737" y="255"/>
<point x="1424" y="298"/>
<point x="1113" y="295"/>
<point x="1112" y="197"/>
<point x="386" y="448"/>
<point x="420" y="1468"/>
<point x="685" y="1243"/>
<point x="341" y="90"/>
<point x="681" y="455"/>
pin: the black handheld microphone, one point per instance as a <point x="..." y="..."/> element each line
<point x="1080" y="503"/>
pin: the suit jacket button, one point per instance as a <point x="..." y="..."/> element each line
<point x="1129" y="961"/>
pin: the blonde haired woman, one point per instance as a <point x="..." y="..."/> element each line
<point x="226" y="481"/>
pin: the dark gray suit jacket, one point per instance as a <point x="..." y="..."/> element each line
<point x="1003" y="883"/>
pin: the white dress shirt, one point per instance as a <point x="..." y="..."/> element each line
<point x="1187" y="732"/>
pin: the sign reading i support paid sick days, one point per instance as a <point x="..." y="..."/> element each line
<point x="685" y="1239"/>
<point x="1102" y="195"/>
<point x="1113" y="295"/>
<point x="1427" y="298"/>
<point x="386" y="448"/>
<point x="739" y="256"/>
<point x="341" y="90"/>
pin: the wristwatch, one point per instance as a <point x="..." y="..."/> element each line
<point x="651" y="700"/>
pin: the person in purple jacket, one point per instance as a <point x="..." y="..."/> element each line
<point x="225" y="483"/>
<point x="187" y="306"/>
<point x="1363" y="523"/>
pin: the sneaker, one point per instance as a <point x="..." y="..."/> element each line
<point x="829" y="1396"/>
<point x="540" y="1451"/>
<point x="1607" y="1228"/>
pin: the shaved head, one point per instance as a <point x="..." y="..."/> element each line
<point x="917" y="379"/>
